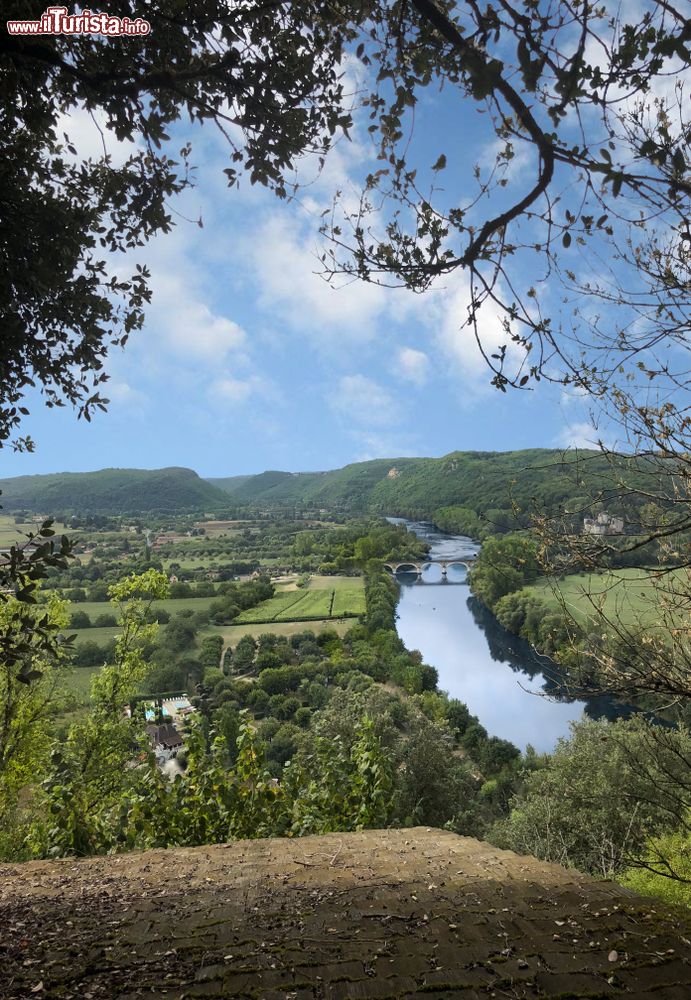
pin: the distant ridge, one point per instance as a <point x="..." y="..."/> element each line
<point x="410" y="487"/>
<point x="229" y="484"/>
<point x="113" y="491"/>
<point x="418" y="487"/>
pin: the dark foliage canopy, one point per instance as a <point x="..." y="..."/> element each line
<point x="592" y="96"/>
<point x="265" y="73"/>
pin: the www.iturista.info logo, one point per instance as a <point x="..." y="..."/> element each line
<point x="56" y="21"/>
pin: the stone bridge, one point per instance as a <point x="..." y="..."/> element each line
<point x="417" y="567"/>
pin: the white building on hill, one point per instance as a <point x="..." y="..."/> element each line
<point x="603" y="524"/>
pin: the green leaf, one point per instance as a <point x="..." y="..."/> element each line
<point x="679" y="162"/>
<point x="29" y="676"/>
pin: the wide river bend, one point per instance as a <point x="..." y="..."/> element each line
<point x="514" y="692"/>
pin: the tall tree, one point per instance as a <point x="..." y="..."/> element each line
<point x="590" y="97"/>
<point x="266" y="73"/>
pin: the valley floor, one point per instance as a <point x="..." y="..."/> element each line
<point x="396" y="913"/>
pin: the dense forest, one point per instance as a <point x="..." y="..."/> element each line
<point x="481" y="481"/>
<point x="482" y="491"/>
<point x="112" y="491"/>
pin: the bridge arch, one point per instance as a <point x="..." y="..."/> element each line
<point x="393" y="568"/>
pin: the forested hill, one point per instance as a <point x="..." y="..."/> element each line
<point x="351" y="487"/>
<point x="448" y="489"/>
<point x="112" y="491"/>
<point x="420" y="487"/>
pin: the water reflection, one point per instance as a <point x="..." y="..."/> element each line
<point x="515" y="693"/>
<point x="519" y="655"/>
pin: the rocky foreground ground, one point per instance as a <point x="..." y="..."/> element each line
<point x="396" y="913"/>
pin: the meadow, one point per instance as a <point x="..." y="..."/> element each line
<point x="215" y="529"/>
<point x="628" y="594"/>
<point x="100" y="635"/>
<point x="336" y="583"/>
<point x="170" y="604"/>
<point x="233" y="633"/>
<point x="78" y="683"/>
<point x="327" y="602"/>
<point x="326" y="597"/>
<point x="11" y="533"/>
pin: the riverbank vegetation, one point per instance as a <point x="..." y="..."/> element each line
<point x="327" y="732"/>
<point x="614" y="799"/>
<point x="310" y="733"/>
<point x="304" y="657"/>
<point x="608" y="802"/>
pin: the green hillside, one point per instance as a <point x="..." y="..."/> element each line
<point x="412" y="487"/>
<point x="270" y="483"/>
<point x="229" y="484"/>
<point x="350" y="487"/>
<point x="112" y="491"/>
<point x="418" y="487"/>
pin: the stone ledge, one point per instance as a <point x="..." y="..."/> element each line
<point x="376" y="914"/>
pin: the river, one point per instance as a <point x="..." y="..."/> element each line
<point x="514" y="692"/>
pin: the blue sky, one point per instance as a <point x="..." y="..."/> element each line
<point x="249" y="360"/>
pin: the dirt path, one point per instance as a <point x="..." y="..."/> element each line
<point x="397" y="913"/>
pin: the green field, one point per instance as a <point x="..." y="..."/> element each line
<point x="232" y="633"/>
<point x="336" y="583"/>
<point x="78" y="682"/>
<point x="171" y="605"/>
<point x="194" y="562"/>
<point x="312" y="604"/>
<point x="345" y="601"/>
<point x="10" y="533"/>
<point x="627" y="594"/>
<point x="327" y="597"/>
<point x="328" y="602"/>
<point x="100" y="635"/>
<point x="268" y="610"/>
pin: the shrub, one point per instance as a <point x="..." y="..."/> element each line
<point x="105" y="621"/>
<point x="80" y="619"/>
<point x="303" y="717"/>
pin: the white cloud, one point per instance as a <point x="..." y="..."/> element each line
<point x="190" y="328"/>
<point x="286" y="271"/>
<point x="573" y="395"/>
<point x="364" y="402"/>
<point x="183" y="322"/>
<point x="189" y="343"/>
<point x="378" y="445"/>
<point x="456" y="338"/>
<point x="412" y="365"/>
<point x="124" y="395"/>
<point x="579" y="435"/>
<point x="89" y="134"/>
<point x="524" y="158"/>
<point x="235" y="390"/>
